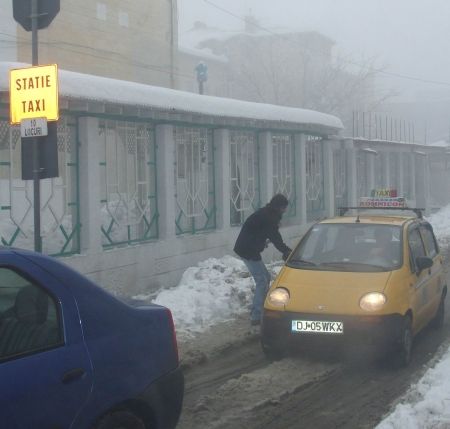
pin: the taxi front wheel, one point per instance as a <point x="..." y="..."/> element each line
<point x="273" y="351"/>
<point x="405" y="341"/>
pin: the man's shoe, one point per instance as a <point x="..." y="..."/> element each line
<point x="255" y="322"/>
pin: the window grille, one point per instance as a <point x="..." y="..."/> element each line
<point x="340" y="177"/>
<point x="194" y="179"/>
<point x="128" y="183"/>
<point x="283" y="152"/>
<point x="314" y="178"/>
<point x="60" y="227"/>
<point x="394" y="170"/>
<point x="244" y="175"/>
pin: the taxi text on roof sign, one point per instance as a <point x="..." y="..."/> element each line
<point x="34" y="93"/>
<point x="380" y="198"/>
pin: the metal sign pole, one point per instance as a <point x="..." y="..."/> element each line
<point x="36" y="172"/>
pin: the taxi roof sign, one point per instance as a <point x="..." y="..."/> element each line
<point x="34" y="93"/>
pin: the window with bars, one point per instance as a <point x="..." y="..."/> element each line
<point x="244" y="175"/>
<point x="407" y="169"/>
<point x="380" y="171"/>
<point x="194" y="180"/>
<point x="362" y="174"/>
<point x="128" y="202"/>
<point x="60" y="227"/>
<point x="340" y="177"/>
<point x="283" y="155"/>
<point x="315" y="203"/>
<point x="394" y="170"/>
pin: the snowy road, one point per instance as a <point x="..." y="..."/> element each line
<point x="237" y="388"/>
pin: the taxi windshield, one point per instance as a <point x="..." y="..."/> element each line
<point x="349" y="247"/>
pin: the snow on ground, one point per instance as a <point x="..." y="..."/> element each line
<point x="427" y="404"/>
<point x="240" y="397"/>
<point x="213" y="292"/>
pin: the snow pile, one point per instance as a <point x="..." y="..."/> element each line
<point x="214" y="291"/>
<point x="441" y="225"/>
<point x="429" y="402"/>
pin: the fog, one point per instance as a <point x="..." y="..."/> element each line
<point x="405" y="41"/>
<point x="408" y="37"/>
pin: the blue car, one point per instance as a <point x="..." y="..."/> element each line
<point x="73" y="356"/>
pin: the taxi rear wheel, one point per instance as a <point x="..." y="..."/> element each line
<point x="438" y="321"/>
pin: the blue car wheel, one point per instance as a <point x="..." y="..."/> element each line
<point x="121" y="420"/>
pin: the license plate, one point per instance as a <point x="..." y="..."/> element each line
<point x="318" y="326"/>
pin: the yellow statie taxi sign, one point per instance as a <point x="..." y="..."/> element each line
<point x="34" y="93"/>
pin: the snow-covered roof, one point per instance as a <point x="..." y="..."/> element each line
<point x="200" y="33"/>
<point x="95" y="88"/>
<point x="440" y="143"/>
<point x="203" y="54"/>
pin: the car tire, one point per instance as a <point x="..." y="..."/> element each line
<point x="273" y="351"/>
<point x="438" y="320"/>
<point x="122" y="419"/>
<point x="404" y="346"/>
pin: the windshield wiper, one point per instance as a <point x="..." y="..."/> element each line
<point x="302" y="261"/>
<point x="339" y="264"/>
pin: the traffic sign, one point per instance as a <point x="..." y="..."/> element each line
<point x="33" y="127"/>
<point x="47" y="10"/>
<point x="34" y="93"/>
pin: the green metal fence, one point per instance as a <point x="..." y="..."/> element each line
<point x="406" y="159"/>
<point x="194" y="180"/>
<point x="340" y="177"/>
<point x="315" y="201"/>
<point x="380" y="170"/>
<point x="244" y="175"/>
<point x="128" y="185"/>
<point x="362" y="173"/>
<point x="283" y="155"/>
<point x="60" y="226"/>
<point x="394" y="171"/>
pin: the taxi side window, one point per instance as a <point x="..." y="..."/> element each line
<point x="416" y="247"/>
<point x="29" y="317"/>
<point x="430" y="242"/>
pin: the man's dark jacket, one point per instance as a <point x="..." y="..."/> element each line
<point x="260" y="226"/>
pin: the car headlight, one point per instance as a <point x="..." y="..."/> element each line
<point x="279" y="297"/>
<point x="372" y="301"/>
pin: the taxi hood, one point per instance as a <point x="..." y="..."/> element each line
<point x="333" y="292"/>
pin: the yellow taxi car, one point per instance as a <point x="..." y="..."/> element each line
<point x="364" y="278"/>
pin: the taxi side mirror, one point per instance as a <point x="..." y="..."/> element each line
<point x="423" y="262"/>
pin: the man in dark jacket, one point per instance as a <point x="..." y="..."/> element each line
<point x="257" y="229"/>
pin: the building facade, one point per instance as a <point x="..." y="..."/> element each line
<point x="134" y="41"/>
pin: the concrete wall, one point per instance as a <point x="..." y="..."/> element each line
<point x="149" y="266"/>
<point x="152" y="265"/>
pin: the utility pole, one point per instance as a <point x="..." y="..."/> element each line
<point x="173" y="16"/>
<point x="36" y="163"/>
<point x="33" y="15"/>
